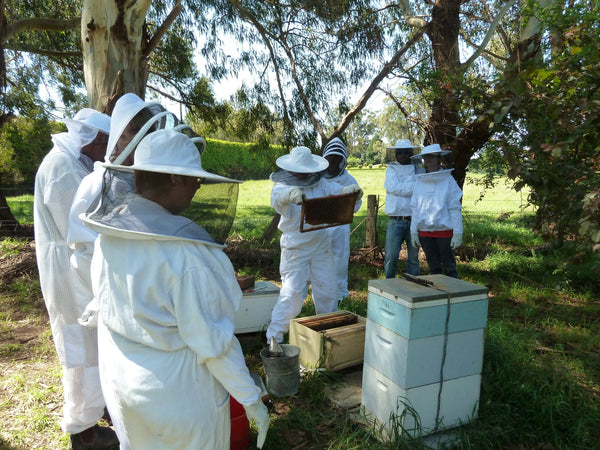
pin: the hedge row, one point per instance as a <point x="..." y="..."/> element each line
<point x="240" y="161"/>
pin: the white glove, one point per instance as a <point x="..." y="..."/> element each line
<point x="414" y="240"/>
<point x="351" y="189"/>
<point x="456" y="241"/>
<point x="89" y="318"/>
<point x="258" y="412"/>
<point x="295" y="196"/>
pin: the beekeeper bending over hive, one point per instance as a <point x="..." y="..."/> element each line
<point x="304" y="256"/>
<point x="167" y="294"/>
<point x="436" y="211"/>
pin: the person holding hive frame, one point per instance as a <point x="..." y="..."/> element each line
<point x="304" y="256"/>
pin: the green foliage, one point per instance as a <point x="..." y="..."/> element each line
<point x="240" y="161"/>
<point x="23" y="144"/>
<point x="551" y="137"/>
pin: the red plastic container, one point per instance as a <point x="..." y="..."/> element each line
<point x="240" y="427"/>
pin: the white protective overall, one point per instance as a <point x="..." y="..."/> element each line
<point x="304" y="257"/>
<point x="168" y="355"/>
<point x="340" y="236"/>
<point x="435" y="203"/>
<point x="81" y="238"/>
<point x="56" y="182"/>
<point x="167" y="295"/>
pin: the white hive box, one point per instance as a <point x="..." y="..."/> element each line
<point x="255" y="310"/>
<point x="334" y="341"/>
<point x="422" y="340"/>
<point x="386" y="401"/>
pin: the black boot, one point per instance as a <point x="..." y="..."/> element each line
<point x="96" y="437"/>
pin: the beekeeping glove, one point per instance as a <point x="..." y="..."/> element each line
<point x="295" y="196"/>
<point x="414" y="240"/>
<point x="351" y="189"/>
<point x="258" y="412"/>
<point x="456" y="240"/>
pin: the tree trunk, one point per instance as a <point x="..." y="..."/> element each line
<point x="113" y="42"/>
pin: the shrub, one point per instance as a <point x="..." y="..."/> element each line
<point x="240" y="161"/>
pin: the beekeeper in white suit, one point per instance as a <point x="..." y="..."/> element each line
<point x="436" y="211"/>
<point x="56" y="182"/>
<point x="167" y="295"/>
<point x="336" y="155"/>
<point x="304" y="256"/>
<point x="132" y="119"/>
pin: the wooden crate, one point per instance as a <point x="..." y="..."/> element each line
<point x="333" y="341"/>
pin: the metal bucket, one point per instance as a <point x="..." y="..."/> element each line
<point x="282" y="372"/>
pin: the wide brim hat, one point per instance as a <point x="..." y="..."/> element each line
<point x="89" y="118"/>
<point x="301" y="160"/>
<point x="126" y="108"/>
<point x="433" y="149"/>
<point x="169" y="151"/>
<point x="403" y="144"/>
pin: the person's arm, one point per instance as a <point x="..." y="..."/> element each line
<point x="205" y="299"/>
<point x="455" y="206"/>
<point x="399" y="185"/>
<point x="282" y="197"/>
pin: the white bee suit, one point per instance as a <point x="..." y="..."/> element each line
<point x="168" y="357"/>
<point x="304" y="256"/>
<point x="56" y="182"/>
<point x="340" y="241"/>
<point x="81" y="238"/>
<point x="435" y="203"/>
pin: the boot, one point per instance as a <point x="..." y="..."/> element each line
<point x="96" y="437"/>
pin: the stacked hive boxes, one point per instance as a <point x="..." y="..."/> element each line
<point x="423" y="353"/>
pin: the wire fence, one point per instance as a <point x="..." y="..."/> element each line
<point x="20" y="205"/>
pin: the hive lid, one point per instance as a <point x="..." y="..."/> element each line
<point x="440" y="287"/>
<point x="261" y="288"/>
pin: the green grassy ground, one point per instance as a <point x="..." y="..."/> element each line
<point x="541" y="371"/>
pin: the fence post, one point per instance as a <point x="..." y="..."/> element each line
<point x="371" y="224"/>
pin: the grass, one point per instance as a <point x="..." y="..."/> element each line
<point x="541" y="371"/>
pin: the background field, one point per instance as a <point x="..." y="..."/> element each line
<point x="541" y="372"/>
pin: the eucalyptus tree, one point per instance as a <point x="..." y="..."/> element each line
<point x="90" y="52"/>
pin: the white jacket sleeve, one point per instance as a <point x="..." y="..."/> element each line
<point x="280" y="198"/>
<point x="402" y="186"/>
<point x="205" y="300"/>
<point x="454" y="206"/>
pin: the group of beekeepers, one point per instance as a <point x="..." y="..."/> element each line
<point x="144" y="326"/>
<point x="141" y="299"/>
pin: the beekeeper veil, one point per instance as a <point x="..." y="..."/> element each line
<point x="133" y="119"/>
<point x="433" y="160"/>
<point x="211" y="211"/>
<point x="336" y="147"/>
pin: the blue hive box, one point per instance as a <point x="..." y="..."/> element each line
<point x="424" y="350"/>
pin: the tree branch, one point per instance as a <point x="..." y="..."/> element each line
<point x="385" y="71"/>
<point x="41" y="24"/>
<point x="490" y="33"/>
<point x="162" y="30"/>
<point x="43" y="52"/>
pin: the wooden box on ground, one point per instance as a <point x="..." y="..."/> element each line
<point x="424" y="352"/>
<point x="255" y="310"/>
<point x="333" y="341"/>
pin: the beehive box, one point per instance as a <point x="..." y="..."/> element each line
<point x="254" y="313"/>
<point x="386" y="401"/>
<point x="333" y="341"/>
<point x="424" y="351"/>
